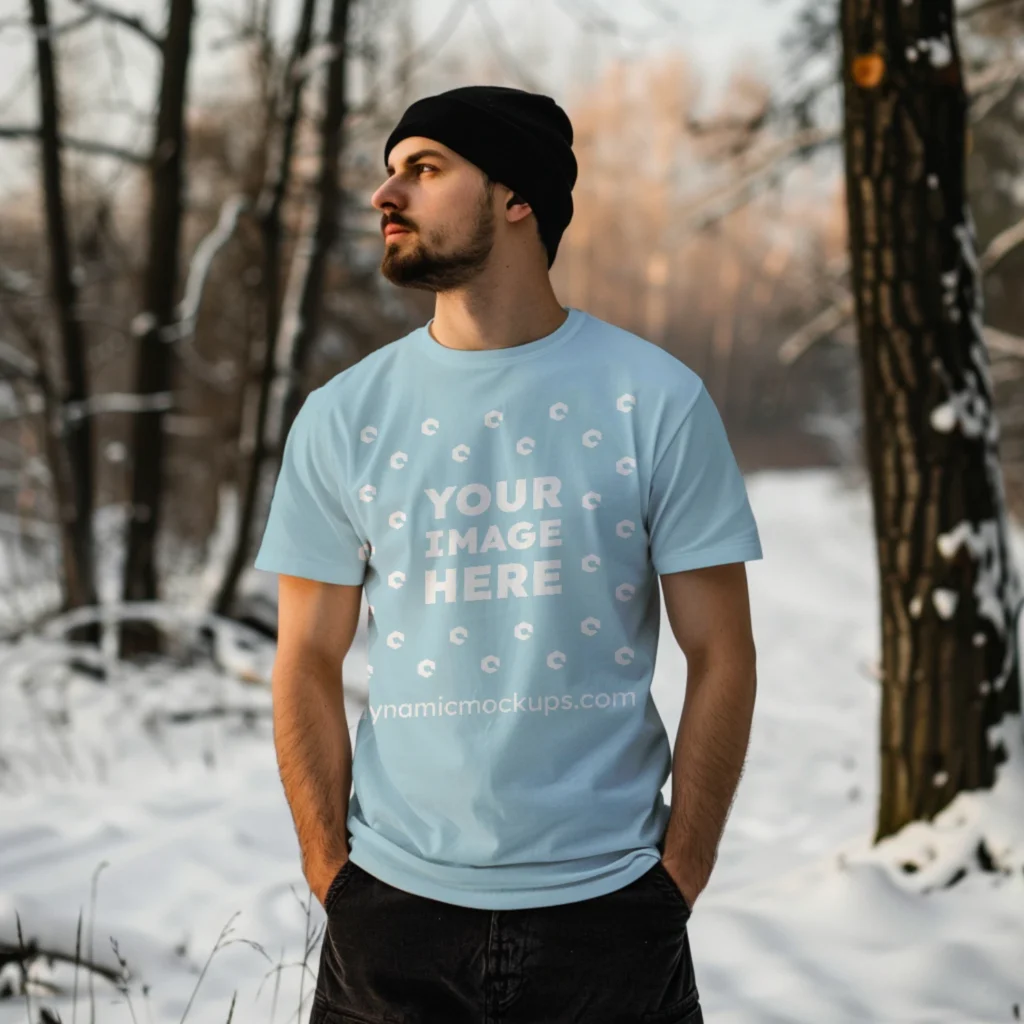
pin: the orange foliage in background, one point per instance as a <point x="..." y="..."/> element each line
<point x="722" y="298"/>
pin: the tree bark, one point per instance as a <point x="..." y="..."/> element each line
<point x="154" y="367"/>
<point x="72" y="455"/>
<point x="950" y="593"/>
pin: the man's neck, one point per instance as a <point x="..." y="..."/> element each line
<point x="478" y="318"/>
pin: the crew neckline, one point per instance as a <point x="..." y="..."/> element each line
<point x="470" y="358"/>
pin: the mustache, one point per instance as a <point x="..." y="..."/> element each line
<point x="395" y="220"/>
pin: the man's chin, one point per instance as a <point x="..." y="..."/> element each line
<point x="402" y="277"/>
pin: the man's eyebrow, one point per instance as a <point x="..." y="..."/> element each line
<point x="419" y="154"/>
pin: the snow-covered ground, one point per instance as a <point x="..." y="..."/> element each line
<point x="804" y="922"/>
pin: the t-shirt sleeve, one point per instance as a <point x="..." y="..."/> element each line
<point x="308" y="531"/>
<point x="698" y="510"/>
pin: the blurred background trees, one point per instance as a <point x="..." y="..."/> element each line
<point x="187" y="359"/>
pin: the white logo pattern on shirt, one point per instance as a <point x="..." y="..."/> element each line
<point x="590" y="626"/>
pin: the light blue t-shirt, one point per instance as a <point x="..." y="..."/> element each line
<point x="508" y="513"/>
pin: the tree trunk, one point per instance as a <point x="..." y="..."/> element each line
<point x="289" y="347"/>
<point x="950" y="594"/>
<point x="155" y="365"/>
<point x="72" y="455"/>
<point x="300" y="330"/>
<point x="275" y="188"/>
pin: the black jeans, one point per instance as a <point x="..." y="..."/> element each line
<point x="391" y="957"/>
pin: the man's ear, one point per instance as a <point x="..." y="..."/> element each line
<point x="517" y="200"/>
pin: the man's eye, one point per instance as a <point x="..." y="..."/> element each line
<point x="428" y="166"/>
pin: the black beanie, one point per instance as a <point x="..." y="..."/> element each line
<point x="521" y="139"/>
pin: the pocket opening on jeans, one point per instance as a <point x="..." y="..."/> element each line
<point x="337" y="884"/>
<point x="667" y="880"/>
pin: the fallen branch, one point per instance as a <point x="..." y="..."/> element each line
<point x="248" y="715"/>
<point x="33" y="951"/>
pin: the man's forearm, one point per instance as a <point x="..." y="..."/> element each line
<point x="710" y="748"/>
<point x="314" y="756"/>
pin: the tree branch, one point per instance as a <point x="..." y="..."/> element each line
<point x="1004" y="343"/>
<point x="17" y="282"/>
<point x="841" y="312"/>
<point x="15" y="363"/>
<point x="986" y="5"/>
<point x="819" y="327"/>
<point x="496" y="39"/>
<point x="96" y="404"/>
<point x="52" y="31"/>
<point x="719" y="202"/>
<point x="202" y="260"/>
<point x="130" y="21"/>
<point x="1002" y="245"/>
<point x="183" y="331"/>
<point x="90" y="146"/>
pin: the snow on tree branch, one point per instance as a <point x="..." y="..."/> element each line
<point x="33" y="405"/>
<point x="202" y="260"/>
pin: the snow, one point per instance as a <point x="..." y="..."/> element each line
<point x="983" y="544"/>
<point x="943" y="417"/>
<point x="945" y="601"/>
<point x="941" y="51"/>
<point x="186" y="830"/>
<point x="202" y="260"/>
<point x="143" y="323"/>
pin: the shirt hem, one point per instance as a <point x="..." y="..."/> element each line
<point x="309" y="569"/>
<point x="721" y="554"/>
<point x="480" y="897"/>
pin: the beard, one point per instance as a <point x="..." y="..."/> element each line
<point x="429" y="268"/>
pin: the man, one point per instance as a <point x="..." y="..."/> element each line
<point x="506" y="484"/>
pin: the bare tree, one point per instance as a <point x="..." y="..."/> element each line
<point x="292" y="324"/>
<point x="950" y="594"/>
<point x="72" y="456"/>
<point x="154" y="367"/>
<point x="301" y="328"/>
<point x="281" y="137"/>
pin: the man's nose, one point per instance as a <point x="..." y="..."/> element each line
<point x="386" y="196"/>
